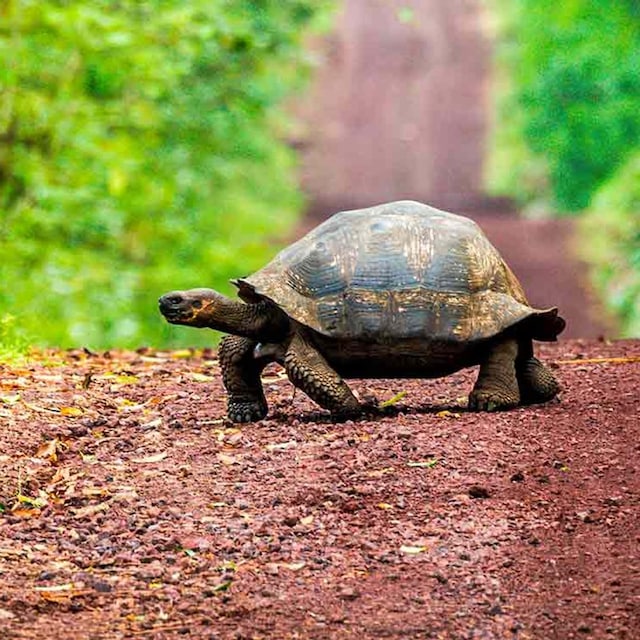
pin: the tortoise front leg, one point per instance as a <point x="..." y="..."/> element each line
<point x="309" y="371"/>
<point x="497" y="386"/>
<point x="241" y="377"/>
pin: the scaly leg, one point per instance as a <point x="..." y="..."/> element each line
<point x="536" y="382"/>
<point x="309" y="371"/>
<point x="497" y="386"/>
<point x="241" y="377"/>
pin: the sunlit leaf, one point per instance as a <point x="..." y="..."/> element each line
<point x="71" y="411"/>
<point x="412" y="550"/>
<point x="394" y="400"/>
<point x="427" y="464"/>
<point x="157" y="457"/>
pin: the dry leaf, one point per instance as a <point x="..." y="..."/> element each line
<point x="447" y="414"/>
<point x="427" y="464"/>
<point x="124" y="378"/>
<point x="25" y="513"/>
<point x="281" y="446"/>
<point x="378" y="473"/>
<point x="201" y="377"/>
<point x="384" y="505"/>
<point x="71" y="411"/>
<point x="90" y="510"/>
<point x="227" y="460"/>
<point x="293" y="566"/>
<point x="391" y="401"/>
<point x="306" y="520"/>
<point x="182" y="353"/>
<point x="412" y="550"/>
<point x="69" y="586"/>
<point x="157" y="457"/>
<point x="49" y="450"/>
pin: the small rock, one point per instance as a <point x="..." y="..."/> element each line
<point x="101" y="586"/>
<point x="349" y="593"/>
<point x="585" y="516"/>
<point x="290" y="521"/>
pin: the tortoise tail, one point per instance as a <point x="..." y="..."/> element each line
<point x="547" y="325"/>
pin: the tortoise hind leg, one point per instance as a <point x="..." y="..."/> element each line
<point x="497" y="386"/>
<point x="241" y="377"/>
<point x="309" y="371"/>
<point x="536" y="382"/>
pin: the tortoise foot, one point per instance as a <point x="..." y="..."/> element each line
<point x="246" y="411"/>
<point x="536" y="382"/>
<point x="492" y="400"/>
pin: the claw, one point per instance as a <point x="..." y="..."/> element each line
<point x="241" y="412"/>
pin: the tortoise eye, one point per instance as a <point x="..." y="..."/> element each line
<point x="197" y="304"/>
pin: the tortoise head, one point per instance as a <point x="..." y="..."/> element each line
<point x="194" y="307"/>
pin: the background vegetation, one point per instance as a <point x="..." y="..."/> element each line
<point x="567" y="134"/>
<point x="141" y="150"/>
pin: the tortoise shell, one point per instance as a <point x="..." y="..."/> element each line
<point x="395" y="271"/>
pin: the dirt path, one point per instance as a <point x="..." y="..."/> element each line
<point x="399" y="109"/>
<point x="132" y="510"/>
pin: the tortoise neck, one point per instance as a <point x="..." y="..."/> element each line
<point x="262" y="321"/>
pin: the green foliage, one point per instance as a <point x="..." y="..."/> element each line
<point x="570" y="114"/>
<point x="13" y="341"/>
<point x="140" y="151"/>
<point x="611" y="242"/>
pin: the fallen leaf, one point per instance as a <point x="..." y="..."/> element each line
<point x="152" y="425"/>
<point x="25" y="513"/>
<point x="71" y="411"/>
<point x="427" y="464"/>
<point x="378" y="473"/>
<point x="49" y="450"/>
<point x="391" y="401"/>
<point x="227" y="460"/>
<point x="293" y="566"/>
<point x="157" y="457"/>
<point x="281" y="446"/>
<point x="125" y="378"/>
<point x="201" y="377"/>
<point x="306" y="520"/>
<point x="180" y="354"/>
<point x="223" y="586"/>
<point x="90" y="510"/>
<point x="447" y="414"/>
<point x="69" y="586"/>
<point x="412" y="550"/>
<point x="384" y="505"/>
<point x="10" y="399"/>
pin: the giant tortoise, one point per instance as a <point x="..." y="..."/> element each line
<point x="399" y="290"/>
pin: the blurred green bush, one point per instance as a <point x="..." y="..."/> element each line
<point x="611" y="243"/>
<point x="569" y="106"/>
<point x="141" y="150"/>
<point x="567" y="128"/>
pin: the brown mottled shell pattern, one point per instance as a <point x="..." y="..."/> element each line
<point x="395" y="271"/>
